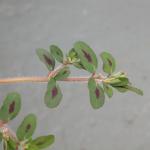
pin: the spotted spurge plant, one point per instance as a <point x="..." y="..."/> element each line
<point x="99" y="86"/>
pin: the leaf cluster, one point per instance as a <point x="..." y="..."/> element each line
<point x="84" y="58"/>
<point x="9" y="110"/>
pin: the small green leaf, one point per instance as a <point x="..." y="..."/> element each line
<point x="120" y="81"/>
<point x="109" y="63"/>
<point x="63" y="73"/>
<point x="27" y="127"/>
<point x="97" y="97"/>
<point x="134" y="89"/>
<point x="74" y="59"/>
<point x="57" y="53"/>
<point x="11" y="107"/>
<point x="87" y="56"/>
<point x="46" y="58"/>
<point x="108" y="90"/>
<point x="53" y="94"/>
<point x="121" y="89"/>
<point x="12" y="145"/>
<point x="43" y="141"/>
<point x="73" y="56"/>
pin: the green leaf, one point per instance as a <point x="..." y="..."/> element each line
<point x="57" y="53"/>
<point x="46" y="58"/>
<point x="109" y="63"/>
<point x="73" y="58"/>
<point x="120" y="81"/>
<point x="10" y="107"/>
<point x="86" y="55"/>
<point x="53" y="94"/>
<point x="62" y="74"/>
<point x="96" y="93"/>
<point x="11" y="145"/>
<point x="121" y="89"/>
<point x="27" y="127"/>
<point x="108" y="90"/>
<point x="43" y="141"/>
<point x="134" y="89"/>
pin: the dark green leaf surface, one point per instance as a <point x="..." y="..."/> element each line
<point x="27" y="127"/>
<point x="46" y="58"/>
<point x="53" y="94"/>
<point x="108" y="90"/>
<point x="63" y="73"/>
<point x="11" y="145"/>
<point x="87" y="56"/>
<point x="43" y="141"/>
<point x="109" y="63"/>
<point x="10" y="107"/>
<point x="97" y="97"/>
<point x="134" y="89"/>
<point x="57" y="53"/>
<point x="121" y="89"/>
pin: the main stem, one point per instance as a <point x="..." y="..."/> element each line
<point x="43" y="79"/>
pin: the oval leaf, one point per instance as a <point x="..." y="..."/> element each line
<point x="43" y="141"/>
<point x="27" y="127"/>
<point x="53" y="94"/>
<point x="57" y="53"/>
<point x="97" y="97"/>
<point x="109" y="63"/>
<point x="46" y="58"/>
<point x="63" y="73"/>
<point x="108" y="90"/>
<point x="87" y="56"/>
<point x="11" y="106"/>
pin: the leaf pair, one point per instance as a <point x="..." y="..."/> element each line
<point x="10" y="107"/>
<point x="48" y="58"/>
<point x="96" y="93"/>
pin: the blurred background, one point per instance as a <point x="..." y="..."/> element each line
<point x="120" y="26"/>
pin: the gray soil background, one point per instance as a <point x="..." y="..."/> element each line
<point x="119" y="26"/>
